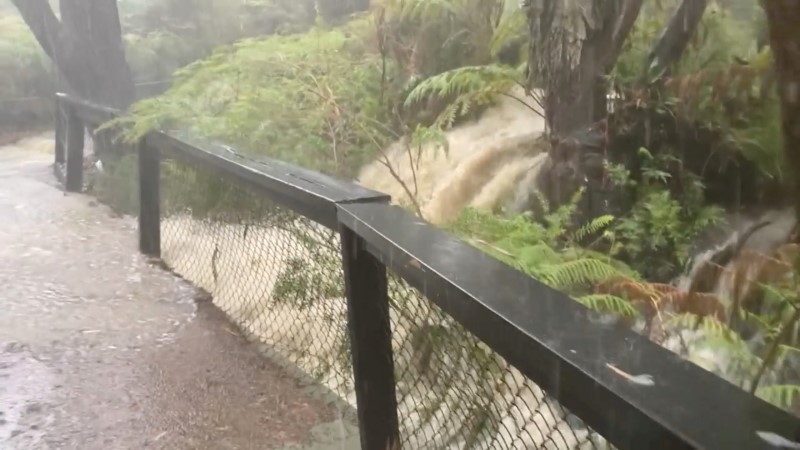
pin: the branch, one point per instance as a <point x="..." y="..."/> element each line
<point x="43" y="23"/>
<point x="675" y="37"/>
<point x="622" y="26"/>
<point x="772" y="351"/>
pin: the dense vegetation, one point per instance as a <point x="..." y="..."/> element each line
<point x="159" y="36"/>
<point x="331" y="91"/>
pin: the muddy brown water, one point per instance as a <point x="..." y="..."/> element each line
<point x="101" y="350"/>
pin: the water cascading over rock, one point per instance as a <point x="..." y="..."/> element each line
<point x="756" y="251"/>
<point x="488" y="162"/>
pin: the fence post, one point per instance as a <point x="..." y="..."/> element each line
<point x="149" y="199"/>
<point x="61" y="156"/>
<point x="75" y="132"/>
<point x="371" y="344"/>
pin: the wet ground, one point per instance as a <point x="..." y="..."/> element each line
<point x="99" y="349"/>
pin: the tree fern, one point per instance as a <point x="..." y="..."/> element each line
<point x="469" y="88"/>
<point x="608" y="303"/>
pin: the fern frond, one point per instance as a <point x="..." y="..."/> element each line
<point x="608" y="303"/>
<point x="576" y="273"/>
<point x="595" y="225"/>
<point x="535" y="256"/>
<point x="699" y="304"/>
<point x="633" y="290"/>
<point x="472" y="86"/>
<point x="780" y="395"/>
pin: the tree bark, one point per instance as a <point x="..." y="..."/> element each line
<point x="85" y="46"/>
<point x="675" y="38"/>
<point x="573" y="45"/>
<point x="783" y="17"/>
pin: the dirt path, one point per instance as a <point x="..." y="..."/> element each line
<point x="100" y="350"/>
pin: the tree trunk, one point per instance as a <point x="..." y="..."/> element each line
<point x="675" y="38"/>
<point x="783" y="17"/>
<point x="573" y="45"/>
<point x="85" y="46"/>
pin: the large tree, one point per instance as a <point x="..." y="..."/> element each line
<point x="85" y="45"/>
<point x="783" y="17"/>
<point x="573" y="45"/>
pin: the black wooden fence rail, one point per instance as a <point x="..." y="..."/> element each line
<point x="548" y="337"/>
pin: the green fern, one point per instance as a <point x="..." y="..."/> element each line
<point x="536" y="250"/>
<point x="469" y="88"/>
<point x="594" y="226"/>
<point x="581" y="272"/>
<point x="781" y="395"/>
<point x="608" y="303"/>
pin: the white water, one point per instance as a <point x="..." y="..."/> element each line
<point x="483" y="167"/>
<point x="735" y="278"/>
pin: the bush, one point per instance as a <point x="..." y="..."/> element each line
<point x="25" y="76"/>
<point x="311" y="99"/>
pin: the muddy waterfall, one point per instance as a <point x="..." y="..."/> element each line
<point x="492" y="163"/>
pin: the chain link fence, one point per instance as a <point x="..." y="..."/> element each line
<point x="279" y="277"/>
<point x="276" y="274"/>
<point x="454" y="392"/>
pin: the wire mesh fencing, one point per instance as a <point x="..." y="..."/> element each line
<point x="279" y="277"/>
<point x="277" y="274"/>
<point x="454" y="392"/>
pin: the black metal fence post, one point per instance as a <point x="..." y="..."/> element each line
<point x="61" y="154"/>
<point x="75" y="132"/>
<point x="149" y="199"/>
<point x="371" y="343"/>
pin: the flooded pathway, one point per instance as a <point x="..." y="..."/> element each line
<point x="101" y="350"/>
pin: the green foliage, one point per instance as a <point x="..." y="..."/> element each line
<point x="458" y="55"/>
<point x="549" y="253"/>
<point x="722" y="81"/>
<point x="429" y="37"/>
<point x="155" y="55"/>
<point x="25" y="76"/>
<point x="467" y="87"/>
<point x="311" y="99"/>
<point x="24" y="69"/>
<point x="656" y="235"/>
<point x="781" y="395"/>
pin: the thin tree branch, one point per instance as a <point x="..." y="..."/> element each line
<point x="774" y="347"/>
<point x="675" y="37"/>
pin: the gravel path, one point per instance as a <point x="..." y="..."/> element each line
<point x="101" y="350"/>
